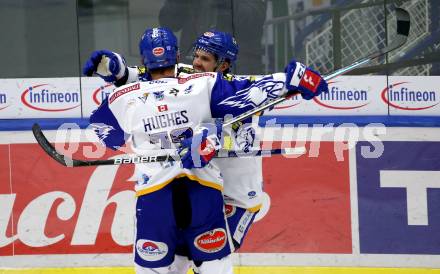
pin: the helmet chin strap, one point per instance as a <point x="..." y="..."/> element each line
<point x="176" y="69"/>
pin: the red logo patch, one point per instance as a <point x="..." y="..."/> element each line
<point x="310" y="80"/>
<point x="158" y="51"/>
<point x="229" y="210"/>
<point x="211" y="241"/>
<point x="162" y="108"/>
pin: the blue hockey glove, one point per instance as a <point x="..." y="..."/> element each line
<point x="108" y="65"/>
<point x="198" y="150"/>
<point x="305" y="80"/>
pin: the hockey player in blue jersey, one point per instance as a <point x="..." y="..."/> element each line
<point x="135" y="112"/>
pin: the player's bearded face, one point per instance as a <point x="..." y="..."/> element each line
<point x="204" y="61"/>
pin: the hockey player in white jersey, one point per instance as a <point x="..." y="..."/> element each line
<point x="155" y="114"/>
<point x="243" y="179"/>
<point x="215" y="51"/>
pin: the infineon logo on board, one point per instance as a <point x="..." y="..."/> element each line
<point x="3" y="101"/>
<point x="292" y="101"/>
<point x="409" y="96"/>
<point x="342" y="99"/>
<point x="102" y="93"/>
<point x="48" y="97"/>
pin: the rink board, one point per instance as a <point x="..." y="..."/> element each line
<point x="361" y="95"/>
<point x="329" y="207"/>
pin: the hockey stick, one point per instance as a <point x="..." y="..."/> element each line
<point x="403" y="26"/>
<point x="144" y="159"/>
<point x="67" y="161"/>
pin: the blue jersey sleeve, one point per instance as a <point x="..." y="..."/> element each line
<point x="107" y="128"/>
<point x="237" y="95"/>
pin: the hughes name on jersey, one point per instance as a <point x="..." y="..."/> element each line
<point x="153" y="115"/>
<point x="243" y="177"/>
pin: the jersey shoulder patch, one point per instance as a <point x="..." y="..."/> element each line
<point x="122" y="91"/>
<point x="182" y="80"/>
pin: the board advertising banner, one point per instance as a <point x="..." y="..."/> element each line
<point x="40" y="98"/>
<point x="399" y="198"/>
<point x="412" y="95"/>
<point x="310" y="205"/>
<point x="51" y="209"/>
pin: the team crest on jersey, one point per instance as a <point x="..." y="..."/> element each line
<point x="143" y="98"/>
<point x="245" y="138"/>
<point x="263" y="90"/>
<point x="211" y="241"/>
<point x="174" y="91"/>
<point x="159" y="95"/>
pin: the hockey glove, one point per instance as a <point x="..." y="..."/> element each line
<point x="304" y="80"/>
<point x="108" y="65"/>
<point x="198" y="150"/>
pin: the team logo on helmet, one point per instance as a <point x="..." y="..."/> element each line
<point x="208" y="34"/>
<point x="158" y="51"/>
<point x="155" y="33"/>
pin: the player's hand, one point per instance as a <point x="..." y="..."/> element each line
<point x="304" y="80"/>
<point x="108" y="65"/>
<point x="198" y="150"/>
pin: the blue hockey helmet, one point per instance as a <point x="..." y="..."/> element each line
<point x="158" y="48"/>
<point x="221" y="44"/>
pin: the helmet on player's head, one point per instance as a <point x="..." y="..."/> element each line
<point x="158" y="48"/>
<point x="221" y="44"/>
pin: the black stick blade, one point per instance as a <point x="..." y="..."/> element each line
<point x="70" y="162"/>
<point x="46" y="146"/>
<point x="60" y="158"/>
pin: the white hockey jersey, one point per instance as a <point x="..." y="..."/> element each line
<point x="154" y="114"/>
<point x="243" y="177"/>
